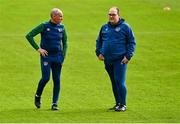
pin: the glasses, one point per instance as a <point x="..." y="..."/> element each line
<point x="112" y="14"/>
<point x="60" y="16"/>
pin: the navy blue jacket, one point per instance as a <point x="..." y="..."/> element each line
<point x="115" y="41"/>
<point x="51" y="38"/>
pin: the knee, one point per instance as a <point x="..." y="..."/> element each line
<point x="120" y="83"/>
<point x="56" y="80"/>
<point x="45" y="79"/>
<point x="122" y="86"/>
<point x="120" y="80"/>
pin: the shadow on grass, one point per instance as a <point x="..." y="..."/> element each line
<point x="60" y="111"/>
<point x="62" y="115"/>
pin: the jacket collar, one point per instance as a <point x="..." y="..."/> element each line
<point x="52" y="23"/>
<point x="119" y="23"/>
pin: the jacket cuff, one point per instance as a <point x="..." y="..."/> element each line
<point x="97" y="53"/>
<point x="128" y="57"/>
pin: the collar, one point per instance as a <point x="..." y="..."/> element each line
<point x="121" y="20"/>
<point x="52" y="23"/>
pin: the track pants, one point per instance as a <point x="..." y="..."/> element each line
<point x="117" y="74"/>
<point x="48" y="64"/>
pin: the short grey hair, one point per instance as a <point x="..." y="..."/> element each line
<point x="55" y="11"/>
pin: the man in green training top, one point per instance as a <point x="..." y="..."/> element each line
<point x="52" y="51"/>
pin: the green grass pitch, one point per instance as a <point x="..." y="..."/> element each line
<point x="153" y="75"/>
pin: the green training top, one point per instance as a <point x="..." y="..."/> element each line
<point x="39" y="29"/>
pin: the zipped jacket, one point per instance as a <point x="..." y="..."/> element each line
<point x="53" y="38"/>
<point x="115" y="41"/>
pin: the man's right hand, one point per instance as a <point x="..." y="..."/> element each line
<point x="42" y="52"/>
<point x="101" y="57"/>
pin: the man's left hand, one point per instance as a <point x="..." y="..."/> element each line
<point x="125" y="60"/>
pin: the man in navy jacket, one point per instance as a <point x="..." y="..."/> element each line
<point x="52" y="51"/>
<point x="115" y="46"/>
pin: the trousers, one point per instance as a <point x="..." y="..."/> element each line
<point x="117" y="73"/>
<point x="49" y="64"/>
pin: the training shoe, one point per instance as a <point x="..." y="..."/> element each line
<point x="37" y="101"/>
<point x="54" y="107"/>
<point x="120" y="108"/>
<point x="113" y="108"/>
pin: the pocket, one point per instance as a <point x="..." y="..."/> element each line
<point x="60" y="59"/>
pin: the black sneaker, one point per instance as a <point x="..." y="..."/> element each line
<point x="120" y="108"/>
<point x="113" y="108"/>
<point x="54" y="107"/>
<point x="37" y="101"/>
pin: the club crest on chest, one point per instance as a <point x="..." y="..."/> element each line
<point x="48" y="29"/>
<point x="117" y="29"/>
<point x="60" y="29"/>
